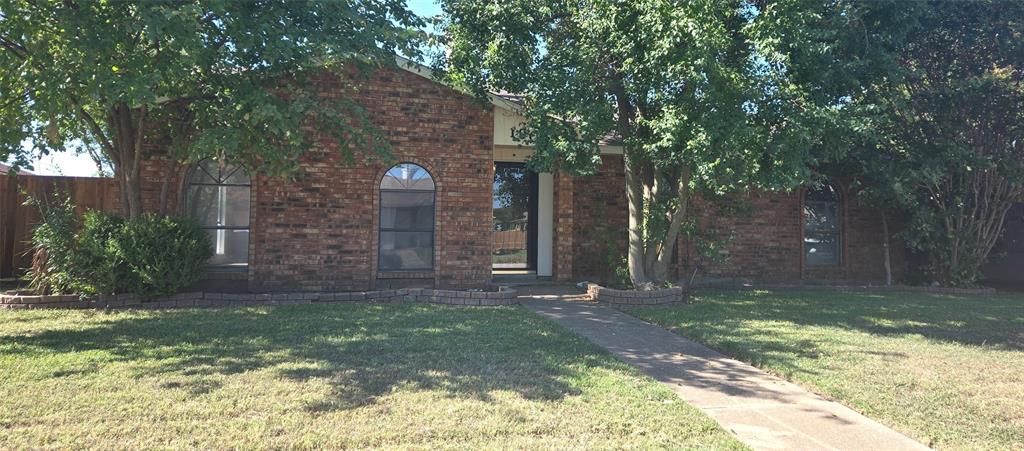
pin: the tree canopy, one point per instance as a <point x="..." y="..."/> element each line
<point x="947" y="146"/>
<point x="211" y="77"/>
<point x="703" y="97"/>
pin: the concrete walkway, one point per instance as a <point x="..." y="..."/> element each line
<point x="765" y="412"/>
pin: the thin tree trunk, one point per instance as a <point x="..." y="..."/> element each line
<point x="668" y="243"/>
<point x="165" y="187"/>
<point x="885" y="249"/>
<point x="697" y="264"/>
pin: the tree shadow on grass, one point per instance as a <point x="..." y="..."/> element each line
<point x="361" y="351"/>
<point x="759" y="348"/>
<point x="995" y="321"/>
<point x="782" y="330"/>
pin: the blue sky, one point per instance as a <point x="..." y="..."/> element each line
<point x="425" y="7"/>
<point x="67" y="163"/>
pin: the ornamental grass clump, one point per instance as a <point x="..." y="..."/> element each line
<point x="53" y="270"/>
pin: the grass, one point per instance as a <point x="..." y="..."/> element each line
<point x="335" y="376"/>
<point x="946" y="370"/>
<point x="518" y="256"/>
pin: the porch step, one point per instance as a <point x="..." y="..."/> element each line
<point x="505" y="277"/>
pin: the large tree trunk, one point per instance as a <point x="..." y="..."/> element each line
<point x="165" y="186"/>
<point x="634" y="197"/>
<point x="133" y="194"/>
<point x="122" y="143"/>
<point x="126" y="154"/>
<point x="633" y="168"/>
<point x="649" y="256"/>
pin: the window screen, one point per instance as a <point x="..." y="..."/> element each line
<point x="406" y="219"/>
<point x="218" y="196"/>
<point x="822" y="227"/>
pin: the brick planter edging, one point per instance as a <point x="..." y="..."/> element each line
<point x="44" y="301"/>
<point x="615" y="297"/>
<point x="503" y="296"/>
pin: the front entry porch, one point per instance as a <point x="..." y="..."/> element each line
<point x="523" y="219"/>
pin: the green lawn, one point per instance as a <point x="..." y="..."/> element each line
<point x="511" y="257"/>
<point x="947" y="370"/>
<point x="337" y="376"/>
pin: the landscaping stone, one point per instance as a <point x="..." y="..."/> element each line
<point x="504" y="296"/>
<point x="633" y="298"/>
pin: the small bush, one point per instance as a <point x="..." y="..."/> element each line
<point x="98" y="265"/>
<point x="103" y="253"/>
<point x="164" y="254"/>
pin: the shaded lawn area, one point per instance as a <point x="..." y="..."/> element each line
<point x="946" y="370"/>
<point x="333" y="375"/>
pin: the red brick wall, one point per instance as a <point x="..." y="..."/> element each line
<point x="318" y="232"/>
<point x="766" y="239"/>
<point x="602" y="216"/>
<point x="767" y="230"/>
<point x="564" y="254"/>
<point x="153" y="174"/>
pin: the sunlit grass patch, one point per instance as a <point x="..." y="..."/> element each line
<point x="334" y="376"/>
<point x="947" y="370"/>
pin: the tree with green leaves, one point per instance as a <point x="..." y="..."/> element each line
<point x="704" y="97"/>
<point x="203" y="77"/>
<point x="873" y="180"/>
<point x="948" y="148"/>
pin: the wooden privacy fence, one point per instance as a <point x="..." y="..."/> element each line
<point x="18" y="219"/>
<point x="509" y="240"/>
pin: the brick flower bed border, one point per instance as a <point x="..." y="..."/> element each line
<point x="503" y="296"/>
<point x="49" y="301"/>
<point x="631" y="298"/>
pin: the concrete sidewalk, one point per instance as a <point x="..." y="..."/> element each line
<point x="765" y="412"/>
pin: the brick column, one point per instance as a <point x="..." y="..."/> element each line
<point x="563" y="228"/>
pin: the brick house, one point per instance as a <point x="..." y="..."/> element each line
<point x="460" y="209"/>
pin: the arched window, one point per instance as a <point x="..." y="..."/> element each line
<point x="822" y="229"/>
<point x="406" y="219"/>
<point x="218" y="196"/>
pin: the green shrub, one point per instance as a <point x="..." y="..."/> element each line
<point x="98" y="266"/>
<point x="103" y="253"/>
<point x="163" y="254"/>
